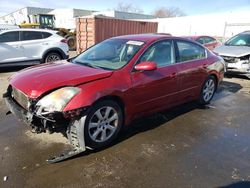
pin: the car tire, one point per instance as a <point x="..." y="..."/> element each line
<point x="103" y="124"/>
<point x="207" y="91"/>
<point x="52" y="56"/>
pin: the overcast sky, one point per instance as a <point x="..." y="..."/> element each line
<point x="190" y="7"/>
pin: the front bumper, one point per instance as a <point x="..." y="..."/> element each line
<point x="31" y="118"/>
<point x="22" y="114"/>
<point x="241" y="66"/>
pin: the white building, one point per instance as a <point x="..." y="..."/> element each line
<point x="22" y="15"/>
<point x="65" y="18"/>
<point x="209" y="24"/>
<point x="124" y="15"/>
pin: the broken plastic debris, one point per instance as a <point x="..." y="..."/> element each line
<point x="210" y="106"/>
<point x="5" y="178"/>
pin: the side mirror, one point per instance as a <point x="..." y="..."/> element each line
<point x="146" y="66"/>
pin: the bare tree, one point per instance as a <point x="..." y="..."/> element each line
<point x="164" y="12"/>
<point x="127" y="7"/>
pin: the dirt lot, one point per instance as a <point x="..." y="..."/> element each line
<point x="187" y="146"/>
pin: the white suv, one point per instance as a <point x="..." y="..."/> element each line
<point x="31" y="46"/>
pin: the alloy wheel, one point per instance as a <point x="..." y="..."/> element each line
<point x="103" y="124"/>
<point x="208" y="90"/>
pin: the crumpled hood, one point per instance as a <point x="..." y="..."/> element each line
<point x="233" y="51"/>
<point x="37" y="80"/>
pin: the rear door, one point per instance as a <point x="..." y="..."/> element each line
<point x="155" y="90"/>
<point x="33" y="44"/>
<point x="191" y="63"/>
<point x="10" y="47"/>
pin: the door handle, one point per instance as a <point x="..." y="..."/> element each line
<point x="45" y="43"/>
<point x="173" y="75"/>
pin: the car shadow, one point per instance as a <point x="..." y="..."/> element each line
<point x="226" y="89"/>
<point x="12" y="69"/>
<point x="239" y="184"/>
<point x="236" y="75"/>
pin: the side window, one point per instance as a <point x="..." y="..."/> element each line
<point x="10" y="37"/>
<point x="46" y="35"/>
<point x="201" y="40"/>
<point x="162" y="53"/>
<point x="187" y="51"/>
<point x="31" y="35"/>
<point x="209" y="40"/>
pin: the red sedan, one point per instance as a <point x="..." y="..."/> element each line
<point x="106" y="87"/>
<point x="207" y="41"/>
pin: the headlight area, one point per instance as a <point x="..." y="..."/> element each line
<point x="49" y="109"/>
<point x="56" y="101"/>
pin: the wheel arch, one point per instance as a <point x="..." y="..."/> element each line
<point x="114" y="98"/>
<point x="53" y="50"/>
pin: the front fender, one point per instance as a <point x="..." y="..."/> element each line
<point x="93" y="91"/>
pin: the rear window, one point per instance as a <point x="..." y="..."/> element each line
<point x="10" y="36"/>
<point x="188" y="51"/>
<point x="209" y="40"/>
<point x="31" y="35"/>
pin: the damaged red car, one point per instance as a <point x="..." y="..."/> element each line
<point x="110" y="84"/>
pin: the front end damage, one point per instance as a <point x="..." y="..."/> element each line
<point x="240" y="65"/>
<point x="33" y="113"/>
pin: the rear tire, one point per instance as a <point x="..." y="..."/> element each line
<point x="207" y="91"/>
<point x="52" y="56"/>
<point x="103" y="124"/>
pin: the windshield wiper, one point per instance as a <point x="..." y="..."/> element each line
<point x="88" y="64"/>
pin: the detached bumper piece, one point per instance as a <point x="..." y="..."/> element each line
<point x="75" y="134"/>
<point x="65" y="156"/>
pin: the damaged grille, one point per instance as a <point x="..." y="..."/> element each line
<point x="20" y="98"/>
<point x="229" y="59"/>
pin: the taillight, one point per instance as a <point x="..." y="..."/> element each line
<point x="64" y="41"/>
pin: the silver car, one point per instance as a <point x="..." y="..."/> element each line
<point x="236" y="53"/>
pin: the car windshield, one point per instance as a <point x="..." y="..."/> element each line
<point x="110" y="54"/>
<point x="239" y="40"/>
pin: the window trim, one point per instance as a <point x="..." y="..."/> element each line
<point x="144" y="51"/>
<point x="177" y="51"/>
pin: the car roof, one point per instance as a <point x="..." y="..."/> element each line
<point x="147" y="37"/>
<point x="31" y="29"/>
<point x="246" y="32"/>
<point x="196" y="37"/>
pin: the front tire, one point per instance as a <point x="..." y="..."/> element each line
<point x="207" y="91"/>
<point x="103" y="124"/>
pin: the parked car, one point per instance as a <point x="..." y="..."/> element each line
<point x="106" y="87"/>
<point x="207" y="41"/>
<point x="236" y="53"/>
<point x="31" y="46"/>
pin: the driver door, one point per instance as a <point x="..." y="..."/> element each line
<point x="156" y="90"/>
